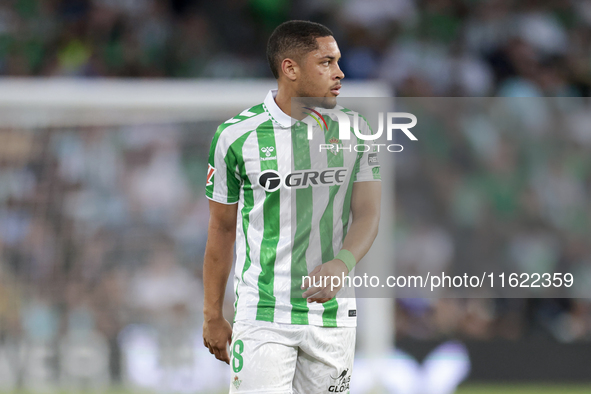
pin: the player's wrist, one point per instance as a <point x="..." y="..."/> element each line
<point x="212" y="314"/>
<point x="346" y="257"/>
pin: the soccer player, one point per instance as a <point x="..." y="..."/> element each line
<point x="294" y="208"/>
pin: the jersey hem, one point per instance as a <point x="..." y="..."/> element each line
<point x="332" y="323"/>
<point x="217" y="199"/>
<point x="273" y="391"/>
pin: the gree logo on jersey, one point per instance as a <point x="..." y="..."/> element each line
<point x="271" y="180"/>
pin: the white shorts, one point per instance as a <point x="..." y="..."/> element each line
<point x="274" y="358"/>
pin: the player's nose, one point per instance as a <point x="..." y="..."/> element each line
<point x="339" y="75"/>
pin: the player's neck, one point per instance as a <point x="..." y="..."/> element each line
<point x="291" y="107"/>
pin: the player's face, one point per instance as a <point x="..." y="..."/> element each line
<point x="320" y="73"/>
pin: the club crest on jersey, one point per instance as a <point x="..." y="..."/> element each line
<point x="336" y="146"/>
<point x="236" y="382"/>
<point x="268" y="150"/>
<point x="210" y="172"/>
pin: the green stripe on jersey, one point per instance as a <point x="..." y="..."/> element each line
<point x="347" y="208"/>
<point x="232" y="183"/>
<point x="248" y="205"/>
<point x="302" y="221"/>
<point x="271" y="230"/>
<point x="329" y="316"/>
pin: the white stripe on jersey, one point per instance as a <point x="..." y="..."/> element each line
<point x="282" y="289"/>
<point x="249" y="296"/>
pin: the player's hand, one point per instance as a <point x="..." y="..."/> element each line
<point x="217" y="334"/>
<point x="322" y="275"/>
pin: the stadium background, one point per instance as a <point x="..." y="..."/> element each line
<point x="102" y="228"/>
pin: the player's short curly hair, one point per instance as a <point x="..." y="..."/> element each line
<point x="293" y="39"/>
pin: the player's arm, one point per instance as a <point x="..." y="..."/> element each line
<point x="365" y="207"/>
<point x="217" y="264"/>
<point x="366" y="198"/>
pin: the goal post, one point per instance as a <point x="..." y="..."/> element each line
<point x="55" y="102"/>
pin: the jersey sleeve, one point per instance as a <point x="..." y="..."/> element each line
<point x="367" y="167"/>
<point x="223" y="180"/>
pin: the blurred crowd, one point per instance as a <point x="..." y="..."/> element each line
<point x="422" y="47"/>
<point x="101" y="228"/>
<point x="497" y="185"/>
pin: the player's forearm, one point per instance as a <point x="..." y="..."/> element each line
<point x="217" y="264"/>
<point x="361" y="234"/>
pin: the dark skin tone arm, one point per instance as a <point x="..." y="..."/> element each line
<point x="365" y="207"/>
<point x="217" y="264"/>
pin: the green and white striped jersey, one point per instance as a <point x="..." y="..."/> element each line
<point x="293" y="199"/>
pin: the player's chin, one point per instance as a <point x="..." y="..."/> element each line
<point x="330" y="101"/>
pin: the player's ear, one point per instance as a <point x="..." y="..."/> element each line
<point x="289" y="68"/>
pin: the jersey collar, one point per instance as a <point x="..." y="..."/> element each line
<point x="276" y="113"/>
